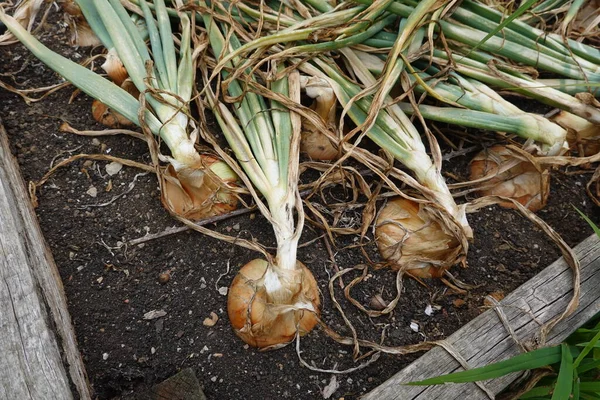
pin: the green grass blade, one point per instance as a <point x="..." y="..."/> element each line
<point x="537" y="392"/>
<point x="588" y="396"/>
<point x="534" y="359"/>
<point x="593" y="387"/>
<point x="589" y="221"/>
<point x="588" y="347"/>
<point x="564" y="382"/>
<point x="588" y="365"/>
<point x="522" y="8"/>
<point x="576" y="385"/>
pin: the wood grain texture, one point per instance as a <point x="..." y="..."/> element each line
<point x="484" y="340"/>
<point x="39" y="355"/>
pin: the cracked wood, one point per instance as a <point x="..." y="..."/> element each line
<point x="40" y="359"/>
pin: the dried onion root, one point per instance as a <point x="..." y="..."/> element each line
<point x="515" y="178"/>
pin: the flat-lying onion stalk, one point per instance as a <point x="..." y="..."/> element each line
<point x="193" y="186"/>
<point x="270" y="301"/>
<point x="496" y="171"/>
<point x="483" y="107"/>
<point x="523" y="48"/>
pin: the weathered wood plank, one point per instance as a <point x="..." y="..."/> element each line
<point x="37" y="340"/>
<point x="485" y="340"/>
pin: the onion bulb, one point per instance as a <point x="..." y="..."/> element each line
<point x="195" y="193"/>
<point x="268" y="318"/>
<point x="582" y="135"/>
<point x="109" y="117"/>
<point x="410" y="239"/>
<point x="515" y="178"/>
<point x="314" y="143"/>
<point x="114" y="67"/>
<point x="81" y="32"/>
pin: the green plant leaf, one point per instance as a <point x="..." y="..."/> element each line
<point x="576" y="385"/>
<point x="534" y="359"/>
<point x="590" y="387"/>
<point x="589" y="221"/>
<point x="564" y="382"/>
<point x="522" y="8"/>
<point x="537" y="393"/>
<point x="587" y="365"/>
<point x="589" y="396"/>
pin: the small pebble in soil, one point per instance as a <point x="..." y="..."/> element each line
<point x="164" y="277"/>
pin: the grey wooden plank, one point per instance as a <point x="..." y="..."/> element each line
<point x="484" y="340"/>
<point x="40" y="358"/>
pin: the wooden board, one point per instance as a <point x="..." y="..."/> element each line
<point x="484" y="340"/>
<point x="39" y="358"/>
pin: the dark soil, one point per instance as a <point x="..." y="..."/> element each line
<point x="110" y="289"/>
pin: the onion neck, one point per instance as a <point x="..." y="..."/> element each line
<point x="174" y="133"/>
<point x="428" y="175"/>
<point x="282" y="279"/>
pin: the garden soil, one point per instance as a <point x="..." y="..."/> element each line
<point x="87" y="215"/>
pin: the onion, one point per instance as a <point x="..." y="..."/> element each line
<point x="109" y="117"/>
<point x="194" y="193"/>
<point x="269" y="321"/>
<point x="515" y="178"/>
<point x="409" y="238"/>
<point x="114" y="67"/>
<point x="313" y="142"/>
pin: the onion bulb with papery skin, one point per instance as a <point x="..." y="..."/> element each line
<point x="194" y="193"/>
<point x="314" y="143"/>
<point x="410" y="239"/>
<point x="109" y="117"/>
<point x="513" y="177"/>
<point x="582" y="135"/>
<point x="266" y="321"/>
<point x="114" y="68"/>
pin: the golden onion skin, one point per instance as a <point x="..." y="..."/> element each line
<point x="261" y="323"/>
<point x="317" y="146"/>
<point x="109" y="117"/>
<point x="522" y="182"/>
<point x="193" y="193"/>
<point x="410" y="240"/>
